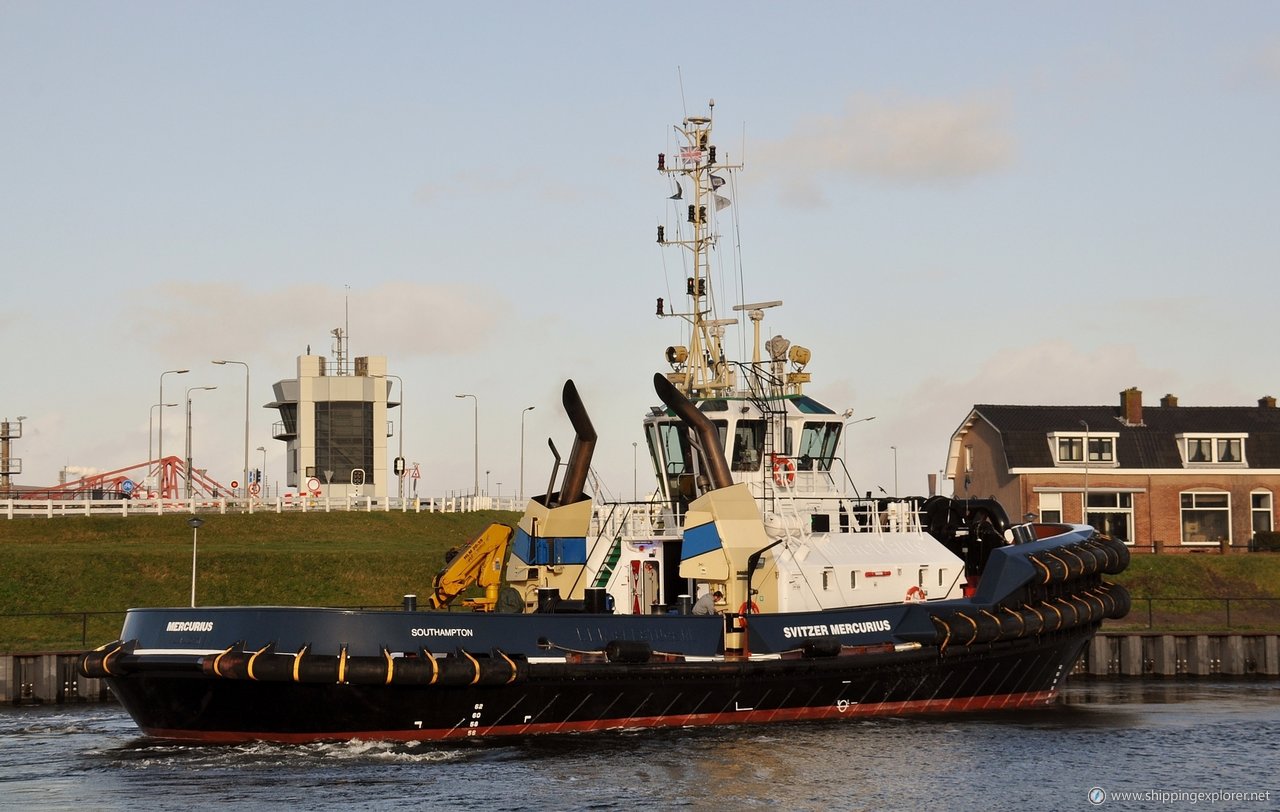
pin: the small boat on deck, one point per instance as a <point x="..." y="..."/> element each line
<point x="831" y="605"/>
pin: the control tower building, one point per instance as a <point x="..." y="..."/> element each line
<point x="336" y="427"/>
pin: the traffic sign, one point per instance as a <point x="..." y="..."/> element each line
<point x="313" y="484"/>
<point x="255" y="489"/>
<point x="127" y="486"/>
<point x="234" y="484"/>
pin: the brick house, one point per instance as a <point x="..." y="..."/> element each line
<point x="1164" y="478"/>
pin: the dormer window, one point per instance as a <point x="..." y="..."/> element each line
<point x="1070" y="448"/>
<point x="1212" y="449"/>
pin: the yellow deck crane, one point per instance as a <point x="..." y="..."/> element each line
<point x="478" y="562"/>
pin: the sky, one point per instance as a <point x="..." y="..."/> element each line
<point x="959" y="203"/>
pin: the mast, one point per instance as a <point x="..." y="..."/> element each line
<point x="700" y="370"/>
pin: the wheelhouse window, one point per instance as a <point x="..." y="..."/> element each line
<point x="1208" y="449"/>
<point x="1112" y="514"/>
<point x="748" y="445"/>
<point x="1206" y="518"/>
<point x="344" y="439"/>
<point x="670" y="452"/>
<point x="817" y="446"/>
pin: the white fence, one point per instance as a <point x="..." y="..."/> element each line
<point x="55" y="508"/>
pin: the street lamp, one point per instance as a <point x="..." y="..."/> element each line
<point x="522" y="414"/>
<point x="894" y="448"/>
<point x="150" y="417"/>
<point x="1084" y="499"/>
<point x="475" y="486"/>
<point x="160" y="450"/>
<point x="400" y="437"/>
<point x="188" y="456"/>
<point x="262" y="491"/>
<point x="845" y="436"/>
<point x="635" y="480"/>
<point x="194" y="523"/>
<point x="245" y="479"/>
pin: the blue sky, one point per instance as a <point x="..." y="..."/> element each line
<point x="959" y="204"/>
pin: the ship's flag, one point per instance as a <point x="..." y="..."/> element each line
<point x="716" y="181"/>
<point x="691" y="155"/>
<point x="722" y="202"/>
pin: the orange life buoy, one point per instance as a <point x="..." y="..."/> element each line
<point x="784" y="471"/>
<point x="742" y="610"/>
<point x="915" y="595"/>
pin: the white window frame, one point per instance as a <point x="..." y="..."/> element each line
<point x="1182" y="522"/>
<point x="1051" y="503"/>
<point x="1105" y="441"/>
<point x="1256" y="512"/>
<point x="1215" y="442"/>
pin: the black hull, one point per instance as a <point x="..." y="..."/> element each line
<point x="571" y="697"/>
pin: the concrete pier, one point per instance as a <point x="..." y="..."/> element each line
<point x="52" y="678"/>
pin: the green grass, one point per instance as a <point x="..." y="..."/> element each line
<point x="1190" y="592"/>
<point x="109" y="564"/>
<point x="104" y="565"/>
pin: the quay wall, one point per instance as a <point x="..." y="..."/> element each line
<point x="52" y="678"/>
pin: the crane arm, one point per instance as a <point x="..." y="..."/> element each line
<point x="479" y="562"/>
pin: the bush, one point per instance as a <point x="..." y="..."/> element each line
<point x="1266" y="541"/>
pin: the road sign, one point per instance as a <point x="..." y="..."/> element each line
<point x="234" y="484"/>
<point x="313" y="484"/>
<point x="255" y="489"/>
<point x="127" y="486"/>
<point x="416" y="473"/>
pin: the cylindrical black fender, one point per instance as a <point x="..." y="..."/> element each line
<point x="628" y="651"/>
<point x="815" y="648"/>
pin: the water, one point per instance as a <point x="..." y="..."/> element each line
<point x="1127" y="737"/>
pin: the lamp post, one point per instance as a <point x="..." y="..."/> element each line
<point x="160" y="450"/>
<point x="1084" y="498"/>
<point x="150" y="418"/>
<point x="635" y="476"/>
<point x="262" y="491"/>
<point x="194" y="522"/>
<point x="523" y="412"/>
<point x="188" y="455"/>
<point x="245" y="479"/>
<point x="894" y="448"/>
<point x="475" y="487"/>
<point x="845" y="450"/>
<point x="400" y="439"/>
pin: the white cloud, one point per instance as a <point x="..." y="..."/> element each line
<point x="898" y="140"/>
<point x="187" y="318"/>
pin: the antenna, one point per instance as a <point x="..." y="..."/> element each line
<point x="684" y="108"/>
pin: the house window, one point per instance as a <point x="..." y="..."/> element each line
<point x="1260" y="502"/>
<point x="1101" y="449"/>
<point x="1206" y="518"/>
<point x="1071" y="449"/>
<point x="1051" y="508"/>
<point x="1112" y="514"/>
<point x="968" y="459"/>
<point x="1206" y="449"/>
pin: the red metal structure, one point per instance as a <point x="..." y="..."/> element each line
<point x="170" y="474"/>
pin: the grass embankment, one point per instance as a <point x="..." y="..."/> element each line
<point x="1204" y="592"/>
<point x="109" y="564"/>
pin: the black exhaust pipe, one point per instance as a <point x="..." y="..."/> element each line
<point x="584" y="445"/>
<point x="708" y="438"/>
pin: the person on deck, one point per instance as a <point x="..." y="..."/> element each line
<point x="706" y="605"/>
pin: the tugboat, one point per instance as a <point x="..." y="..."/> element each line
<point x="822" y="605"/>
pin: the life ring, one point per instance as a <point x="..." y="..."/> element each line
<point x="915" y="595"/>
<point x="784" y="471"/>
<point x="742" y="610"/>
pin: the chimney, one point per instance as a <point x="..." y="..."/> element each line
<point x="1267" y="402"/>
<point x="1169" y="400"/>
<point x="1131" y="406"/>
